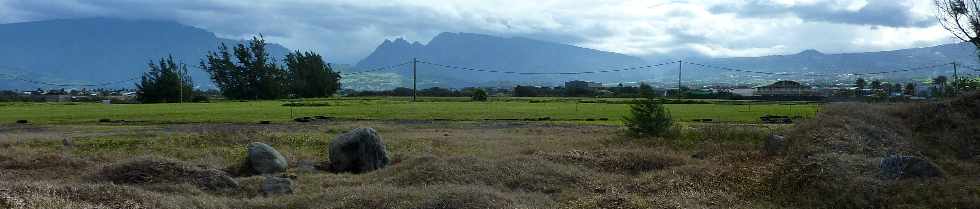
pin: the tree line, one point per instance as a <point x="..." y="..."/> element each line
<point x="246" y="71"/>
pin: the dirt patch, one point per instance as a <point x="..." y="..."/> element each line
<point x="153" y="170"/>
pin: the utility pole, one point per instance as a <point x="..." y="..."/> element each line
<point x="680" y="66"/>
<point x="180" y="78"/>
<point x="956" y="79"/>
<point x="415" y="82"/>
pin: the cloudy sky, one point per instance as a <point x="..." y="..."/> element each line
<point x="348" y="30"/>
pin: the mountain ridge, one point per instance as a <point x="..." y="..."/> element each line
<point x="95" y="50"/>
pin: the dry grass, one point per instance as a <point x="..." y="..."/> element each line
<point x="833" y="160"/>
<point x="436" y="165"/>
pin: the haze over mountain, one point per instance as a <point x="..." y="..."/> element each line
<point x="527" y="55"/>
<point x="813" y="62"/>
<point x="497" y="53"/>
<point x="98" y="50"/>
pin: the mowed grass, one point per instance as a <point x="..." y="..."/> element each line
<point x="557" y="109"/>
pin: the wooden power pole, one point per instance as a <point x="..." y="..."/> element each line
<point x="415" y="82"/>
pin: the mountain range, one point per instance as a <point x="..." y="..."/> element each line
<point x="490" y="53"/>
<point x="98" y="50"/>
<point x="101" y="50"/>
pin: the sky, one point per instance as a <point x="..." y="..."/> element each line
<point x="346" y="31"/>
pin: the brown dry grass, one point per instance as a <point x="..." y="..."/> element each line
<point x="833" y="160"/>
<point x="436" y="165"/>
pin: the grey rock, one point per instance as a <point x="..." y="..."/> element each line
<point x="775" y="145"/>
<point x="360" y="150"/>
<point x="277" y="186"/>
<point x="263" y="159"/>
<point x="904" y="167"/>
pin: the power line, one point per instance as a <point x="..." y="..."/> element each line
<point x="378" y="69"/>
<point x="856" y="74"/>
<point x="38" y="82"/>
<point x="534" y="73"/>
<point x="732" y="69"/>
<point x="903" y="70"/>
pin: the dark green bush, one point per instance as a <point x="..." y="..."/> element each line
<point x="480" y="95"/>
<point x="648" y="117"/>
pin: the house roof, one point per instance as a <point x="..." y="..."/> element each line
<point x="784" y="84"/>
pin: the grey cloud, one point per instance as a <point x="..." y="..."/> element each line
<point x="875" y="13"/>
<point x="348" y="31"/>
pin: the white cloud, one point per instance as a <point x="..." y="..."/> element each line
<point x="347" y="30"/>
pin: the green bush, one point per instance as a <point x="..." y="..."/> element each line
<point x="648" y="117"/>
<point x="480" y="95"/>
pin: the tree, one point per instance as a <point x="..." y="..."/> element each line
<point x="649" y="117"/>
<point x="966" y="84"/>
<point x="165" y="81"/>
<point x="876" y="85"/>
<point x="861" y="84"/>
<point x="480" y="95"/>
<point x="961" y="18"/>
<point x="253" y="74"/>
<point x="940" y="84"/>
<point x="646" y="91"/>
<point x="910" y="89"/>
<point x="309" y="76"/>
<point x="525" y="91"/>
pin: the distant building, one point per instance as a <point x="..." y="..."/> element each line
<point x="785" y="89"/>
<point x="582" y="85"/>
<point x="744" y="92"/>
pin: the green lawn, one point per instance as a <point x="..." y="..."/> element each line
<point x="558" y="109"/>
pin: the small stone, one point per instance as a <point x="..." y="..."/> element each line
<point x="775" y="145"/>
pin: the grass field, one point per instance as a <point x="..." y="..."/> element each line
<point x="456" y="109"/>
<point x="829" y="161"/>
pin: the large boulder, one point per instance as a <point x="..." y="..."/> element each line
<point x="357" y="151"/>
<point x="903" y="167"/>
<point x="277" y="186"/>
<point x="263" y="159"/>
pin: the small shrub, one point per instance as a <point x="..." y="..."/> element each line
<point x="648" y="117"/>
<point x="480" y="95"/>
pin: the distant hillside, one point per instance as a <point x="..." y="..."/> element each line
<point x="497" y="53"/>
<point x="817" y="63"/>
<point x="95" y="50"/>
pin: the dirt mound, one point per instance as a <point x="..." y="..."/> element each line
<point x="837" y="159"/>
<point x="521" y="173"/>
<point x="619" y="160"/>
<point x="151" y="170"/>
<point x="947" y="128"/>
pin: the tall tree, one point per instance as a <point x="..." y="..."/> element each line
<point x="961" y="18"/>
<point x="646" y="91"/>
<point x="252" y="75"/>
<point x="166" y="81"/>
<point x="860" y="84"/>
<point x="876" y="86"/>
<point x="309" y="76"/>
